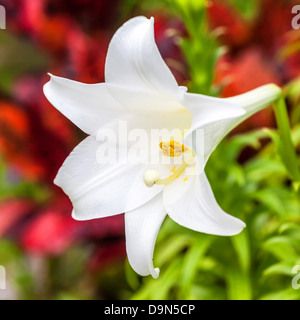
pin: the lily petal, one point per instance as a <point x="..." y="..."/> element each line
<point x="88" y="106"/>
<point x="93" y="187"/>
<point x="213" y="117"/>
<point x="133" y="60"/>
<point x="91" y="106"/>
<point x="141" y="229"/>
<point x="193" y="205"/>
<point x="206" y="110"/>
<point x="256" y="99"/>
<point x="251" y="102"/>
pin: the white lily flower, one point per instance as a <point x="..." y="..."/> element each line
<point x="140" y="89"/>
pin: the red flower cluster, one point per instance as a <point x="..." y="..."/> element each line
<point x="34" y="137"/>
<point x="260" y="51"/>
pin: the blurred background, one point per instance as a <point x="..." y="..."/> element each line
<point x="215" y="47"/>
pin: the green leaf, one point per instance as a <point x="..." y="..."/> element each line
<point x="282" y="248"/>
<point x="131" y="277"/>
<point x="278" y="268"/>
<point x="242" y="248"/>
<point x="260" y="169"/>
<point x="171" y="248"/>
<point x="240" y="141"/>
<point x="192" y="259"/>
<point x="239" y="284"/>
<point x="285" y="294"/>
<point x="285" y="144"/>
<point x="269" y="197"/>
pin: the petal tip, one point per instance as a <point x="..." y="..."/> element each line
<point x="47" y="84"/>
<point x="240" y="228"/>
<point x="75" y="216"/>
<point x="57" y="180"/>
<point x="155" y="273"/>
<point x="79" y="217"/>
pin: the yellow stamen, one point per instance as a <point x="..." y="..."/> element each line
<point x="152" y="177"/>
<point x="172" y="148"/>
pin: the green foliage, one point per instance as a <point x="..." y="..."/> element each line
<point x="200" y="47"/>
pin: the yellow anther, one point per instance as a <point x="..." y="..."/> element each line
<point x="172" y="148"/>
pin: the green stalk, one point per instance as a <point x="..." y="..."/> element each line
<point x="286" y="147"/>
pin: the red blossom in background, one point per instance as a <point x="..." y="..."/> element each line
<point x="53" y="230"/>
<point x="35" y="138"/>
<point x="31" y="148"/>
<point x="254" y="47"/>
<point x="14" y="132"/>
<point x="50" y="230"/>
<point x="243" y="73"/>
<point x="167" y="31"/>
<point x="12" y="211"/>
<point x="235" y="31"/>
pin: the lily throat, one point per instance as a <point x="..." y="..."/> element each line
<point x="170" y="149"/>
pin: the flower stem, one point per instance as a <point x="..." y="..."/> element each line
<point x="285" y="145"/>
